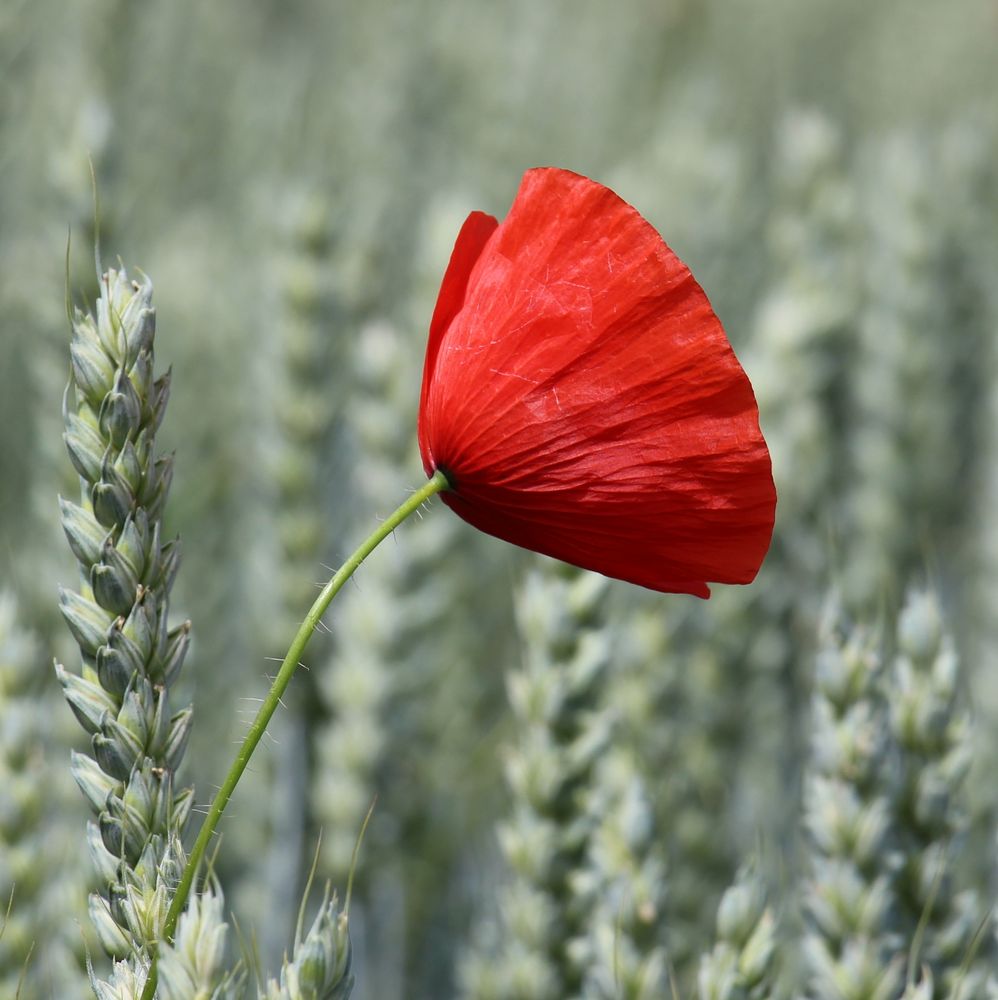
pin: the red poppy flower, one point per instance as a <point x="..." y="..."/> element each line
<point x="583" y="401"/>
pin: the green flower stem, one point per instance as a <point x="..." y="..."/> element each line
<point x="435" y="485"/>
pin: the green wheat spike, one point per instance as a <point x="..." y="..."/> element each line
<point x="131" y="654"/>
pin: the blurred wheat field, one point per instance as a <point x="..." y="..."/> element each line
<point x="583" y="789"/>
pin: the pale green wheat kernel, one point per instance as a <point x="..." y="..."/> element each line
<point x="538" y="947"/>
<point x="193" y="967"/>
<point x="126" y="982"/>
<point x="623" y="884"/>
<point x="41" y="949"/>
<point x="849" y="949"/>
<point x="741" y="965"/>
<point x="320" y="966"/>
<point x="933" y="732"/>
<point x="119" y="617"/>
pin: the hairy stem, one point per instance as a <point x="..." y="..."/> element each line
<point x="435" y="485"/>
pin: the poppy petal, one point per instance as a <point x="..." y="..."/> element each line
<point x="471" y="240"/>
<point x="584" y="401"/>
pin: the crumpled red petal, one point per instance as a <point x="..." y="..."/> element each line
<point x="583" y="400"/>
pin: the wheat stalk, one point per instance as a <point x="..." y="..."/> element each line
<point x="131" y="656"/>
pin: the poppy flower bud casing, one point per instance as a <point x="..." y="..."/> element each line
<point x="582" y="399"/>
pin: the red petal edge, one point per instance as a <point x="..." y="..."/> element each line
<point x="475" y="233"/>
